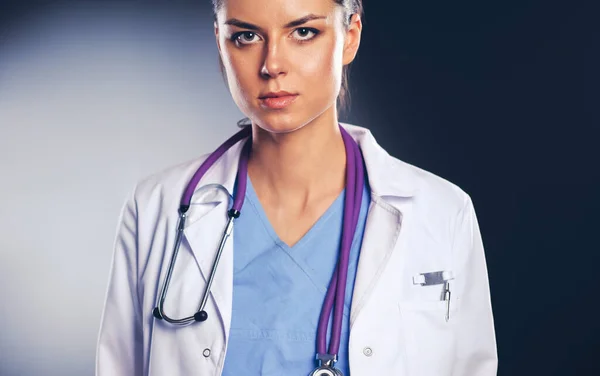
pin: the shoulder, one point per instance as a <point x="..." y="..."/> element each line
<point x="396" y="180"/>
<point x="165" y="187"/>
<point x="435" y="192"/>
<point x="438" y="206"/>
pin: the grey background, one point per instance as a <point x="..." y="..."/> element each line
<point x="93" y="97"/>
<point x="500" y="98"/>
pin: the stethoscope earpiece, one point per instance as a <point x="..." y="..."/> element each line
<point x="156" y="313"/>
<point x="201" y="316"/>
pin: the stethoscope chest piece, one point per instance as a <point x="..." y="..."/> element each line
<point x="326" y="371"/>
<point x="326" y="368"/>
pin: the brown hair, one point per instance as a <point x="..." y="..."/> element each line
<point x="351" y="7"/>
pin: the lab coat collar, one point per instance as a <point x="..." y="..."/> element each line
<point x="387" y="176"/>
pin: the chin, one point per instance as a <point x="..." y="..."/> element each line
<point x="279" y="122"/>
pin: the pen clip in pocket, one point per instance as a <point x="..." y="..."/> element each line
<point x="433" y="278"/>
<point x="441" y="277"/>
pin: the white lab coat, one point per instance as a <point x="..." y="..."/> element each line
<point x="417" y="223"/>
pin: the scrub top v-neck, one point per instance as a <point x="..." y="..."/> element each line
<point x="278" y="291"/>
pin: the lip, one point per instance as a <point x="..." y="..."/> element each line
<point x="275" y="94"/>
<point x="277" y="100"/>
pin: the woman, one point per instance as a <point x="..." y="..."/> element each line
<point x="409" y="293"/>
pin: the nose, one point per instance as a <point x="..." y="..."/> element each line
<point x="274" y="63"/>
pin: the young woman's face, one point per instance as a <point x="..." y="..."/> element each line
<point x="295" y="46"/>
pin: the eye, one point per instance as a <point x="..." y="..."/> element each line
<point x="305" y="33"/>
<point x="245" y="37"/>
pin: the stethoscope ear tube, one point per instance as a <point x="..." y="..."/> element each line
<point x="200" y="315"/>
<point x="158" y="311"/>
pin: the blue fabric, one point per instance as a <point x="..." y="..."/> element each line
<point x="278" y="291"/>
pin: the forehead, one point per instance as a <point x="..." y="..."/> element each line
<point x="274" y="12"/>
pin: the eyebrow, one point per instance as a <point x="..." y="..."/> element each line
<point x="298" y="22"/>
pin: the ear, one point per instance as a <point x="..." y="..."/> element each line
<point x="352" y="40"/>
<point x="217" y="36"/>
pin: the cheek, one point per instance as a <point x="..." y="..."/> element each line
<point x="323" y="69"/>
<point x="319" y="66"/>
<point x="240" y="75"/>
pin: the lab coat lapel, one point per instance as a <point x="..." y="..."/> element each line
<point x="393" y="184"/>
<point x="381" y="233"/>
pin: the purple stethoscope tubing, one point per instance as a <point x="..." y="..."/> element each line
<point x="186" y="199"/>
<point x="336" y="292"/>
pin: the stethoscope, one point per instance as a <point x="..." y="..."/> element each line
<point x="337" y="286"/>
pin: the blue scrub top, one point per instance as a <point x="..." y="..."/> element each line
<point x="278" y="291"/>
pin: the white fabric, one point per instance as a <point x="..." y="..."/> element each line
<point x="417" y="222"/>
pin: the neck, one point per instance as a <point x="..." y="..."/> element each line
<point x="295" y="169"/>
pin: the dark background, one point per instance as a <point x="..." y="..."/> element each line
<point x="502" y="99"/>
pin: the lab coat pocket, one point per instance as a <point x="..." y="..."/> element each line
<point x="429" y="337"/>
